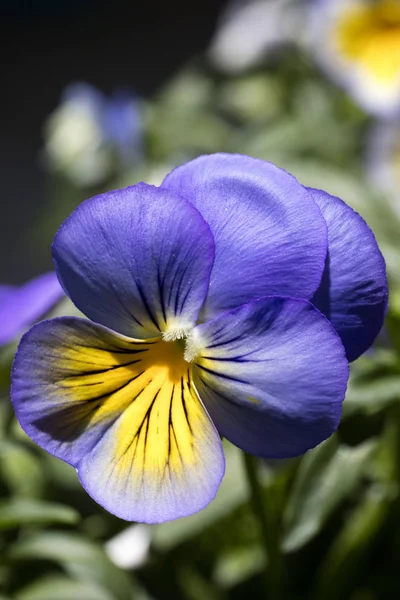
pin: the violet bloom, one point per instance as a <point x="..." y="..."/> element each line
<point x="222" y="303"/>
<point x="21" y="306"/>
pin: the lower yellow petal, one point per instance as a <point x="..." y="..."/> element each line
<point x="125" y="413"/>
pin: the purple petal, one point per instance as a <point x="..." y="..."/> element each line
<point x="136" y="260"/>
<point x="269" y="234"/>
<point x="272" y="375"/>
<point x="124" y="413"/>
<point x="22" y="306"/>
<point x="353" y="293"/>
<point x="6" y="292"/>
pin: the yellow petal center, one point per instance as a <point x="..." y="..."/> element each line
<point x="147" y="391"/>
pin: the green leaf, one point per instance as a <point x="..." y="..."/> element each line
<point x="64" y="308"/>
<point x="353" y="544"/>
<point x="61" y="473"/>
<point x="326" y="476"/>
<point x="6" y="415"/>
<point x="238" y="565"/>
<point x="81" y="559"/>
<point x="370" y="397"/>
<point x="20" y="469"/>
<point x="6" y="357"/>
<point x="195" y="586"/>
<point x="62" y="588"/>
<point x="18" y="512"/>
<point x="255" y="97"/>
<point x="189" y="91"/>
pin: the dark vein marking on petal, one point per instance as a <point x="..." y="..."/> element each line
<point x="178" y="288"/>
<point x="161" y="294"/>
<point x="182" y="304"/>
<point x="206" y="385"/>
<point x="126" y="308"/>
<point x="237" y="359"/>
<point x="100" y="371"/>
<point x="140" y="427"/>
<point x="170" y="422"/>
<point x="117" y="351"/>
<point x="222" y="375"/>
<point x="146" y="305"/>
<point x="109" y="393"/>
<point x="184" y="405"/>
<point x="238" y="337"/>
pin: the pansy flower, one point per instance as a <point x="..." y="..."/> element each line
<point x="226" y="302"/>
<point x="358" y="42"/>
<point x="21" y="306"/>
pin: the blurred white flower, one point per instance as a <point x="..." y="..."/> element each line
<point x="249" y="29"/>
<point x="129" y="549"/>
<point x="383" y="160"/>
<point x="358" y="43"/>
<point x="89" y="134"/>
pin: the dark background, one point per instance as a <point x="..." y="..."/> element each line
<point x="46" y="44"/>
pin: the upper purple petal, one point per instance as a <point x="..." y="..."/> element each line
<point x="270" y="236"/>
<point x="353" y="293"/>
<point x="136" y="260"/>
<point x="22" y="306"/>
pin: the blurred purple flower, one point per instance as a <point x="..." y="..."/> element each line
<point x="89" y="135"/>
<point x="123" y="126"/>
<point x="21" y="306"/>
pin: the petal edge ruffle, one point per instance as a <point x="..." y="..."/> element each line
<point x="353" y="293"/>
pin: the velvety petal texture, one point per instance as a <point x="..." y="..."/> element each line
<point x="136" y="260"/>
<point x="272" y="375"/>
<point x="22" y="306"/>
<point x="124" y="413"/>
<point x="353" y="293"/>
<point x="270" y="236"/>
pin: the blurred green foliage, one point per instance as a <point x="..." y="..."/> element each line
<point x="339" y="505"/>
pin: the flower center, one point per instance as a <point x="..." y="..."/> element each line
<point x="370" y="36"/>
<point x="183" y="338"/>
<point x="165" y="361"/>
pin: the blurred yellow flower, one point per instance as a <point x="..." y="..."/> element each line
<point x="358" y="42"/>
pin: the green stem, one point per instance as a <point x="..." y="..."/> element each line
<point x="266" y="511"/>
